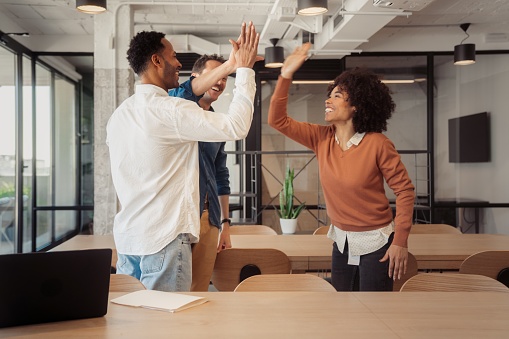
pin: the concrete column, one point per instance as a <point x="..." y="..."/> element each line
<point x="113" y="83"/>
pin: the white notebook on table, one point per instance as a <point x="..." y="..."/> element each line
<point x="159" y="300"/>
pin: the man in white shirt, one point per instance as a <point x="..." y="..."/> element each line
<point x="153" y="143"/>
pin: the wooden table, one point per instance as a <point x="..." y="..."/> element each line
<point x="298" y="315"/>
<point x="313" y="252"/>
<point x="447" y="251"/>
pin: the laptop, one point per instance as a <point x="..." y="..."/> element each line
<point x="53" y="286"/>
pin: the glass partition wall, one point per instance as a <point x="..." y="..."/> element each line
<point x="7" y="149"/>
<point x="40" y="147"/>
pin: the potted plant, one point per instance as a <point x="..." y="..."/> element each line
<point x="287" y="212"/>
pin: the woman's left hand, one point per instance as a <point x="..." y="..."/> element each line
<point x="398" y="257"/>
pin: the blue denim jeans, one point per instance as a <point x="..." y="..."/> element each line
<point x="370" y="275"/>
<point x="167" y="270"/>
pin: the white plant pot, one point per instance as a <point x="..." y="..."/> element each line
<point x="288" y="226"/>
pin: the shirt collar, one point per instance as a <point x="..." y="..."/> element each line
<point x="354" y="140"/>
<point x="148" y="88"/>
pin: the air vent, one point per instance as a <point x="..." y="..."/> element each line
<point x="496" y="37"/>
<point x="337" y="20"/>
<point x="408" y="5"/>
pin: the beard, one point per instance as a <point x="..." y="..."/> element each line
<point x="170" y="75"/>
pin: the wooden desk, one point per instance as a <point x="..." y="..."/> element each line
<point x="306" y="252"/>
<point x="298" y="315"/>
<point x="313" y="252"/>
<point x="447" y="251"/>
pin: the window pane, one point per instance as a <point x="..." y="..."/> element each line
<point x="27" y="154"/>
<point x="65" y="221"/>
<point x="44" y="222"/>
<point x="43" y="136"/>
<point x="65" y="144"/>
<point x="7" y="150"/>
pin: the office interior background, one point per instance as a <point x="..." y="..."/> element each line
<point x="63" y="73"/>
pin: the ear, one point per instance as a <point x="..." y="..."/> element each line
<point x="156" y="60"/>
<point x="195" y="74"/>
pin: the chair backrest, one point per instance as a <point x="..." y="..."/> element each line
<point x="125" y="283"/>
<point x="487" y="263"/>
<point x="444" y="282"/>
<point x="411" y="270"/>
<point x="434" y="229"/>
<point x="236" y="264"/>
<point x="321" y="230"/>
<point x="285" y="283"/>
<point x="252" y="229"/>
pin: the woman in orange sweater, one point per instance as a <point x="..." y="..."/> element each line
<point x="354" y="158"/>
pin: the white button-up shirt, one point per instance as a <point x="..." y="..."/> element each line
<point x="152" y="139"/>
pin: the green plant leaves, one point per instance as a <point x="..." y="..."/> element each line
<point x="286" y="209"/>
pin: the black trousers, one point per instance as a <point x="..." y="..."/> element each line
<point x="369" y="275"/>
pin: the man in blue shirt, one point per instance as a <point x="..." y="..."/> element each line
<point x="214" y="180"/>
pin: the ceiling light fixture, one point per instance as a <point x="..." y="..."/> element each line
<point x="311" y="7"/>
<point x="275" y="55"/>
<point x="464" y="54"/>
<point x="312" y="82"/>
<point x="18" y="34"/>
<point x="91" y="6"/>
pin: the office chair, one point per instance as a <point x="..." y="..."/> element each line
<point x="233" y="265"/>
<point x="284" y="283"/>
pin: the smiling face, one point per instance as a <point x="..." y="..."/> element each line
<point x="215" y="91"/>
<point x="337" y="107"/>
<point x="170" y="71"/>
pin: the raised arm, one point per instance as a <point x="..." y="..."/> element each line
<point x="240" y="56"/>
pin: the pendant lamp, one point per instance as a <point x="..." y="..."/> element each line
<point x="91" y="6"/>
<point x="311" y="7"/>
<point x="275" y="55"/>
<point x="464" y="54"/>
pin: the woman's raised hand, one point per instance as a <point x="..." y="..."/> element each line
<point x="295" y="60"/>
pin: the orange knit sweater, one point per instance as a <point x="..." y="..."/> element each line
<point x="352" y="180"/>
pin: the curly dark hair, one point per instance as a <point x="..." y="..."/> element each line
<point x="141" y="48"/>
<point x="199" y="65"/>
<point x="371" y="98"/>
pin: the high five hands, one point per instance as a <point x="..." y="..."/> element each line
<point x="245" y="49"/>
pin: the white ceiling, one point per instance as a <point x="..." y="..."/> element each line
<point x="56" y="26"/>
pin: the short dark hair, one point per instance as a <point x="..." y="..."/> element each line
<point x="141" y="48"/>
<point x="371" y="98"/>
<point x="199" y="65"/>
